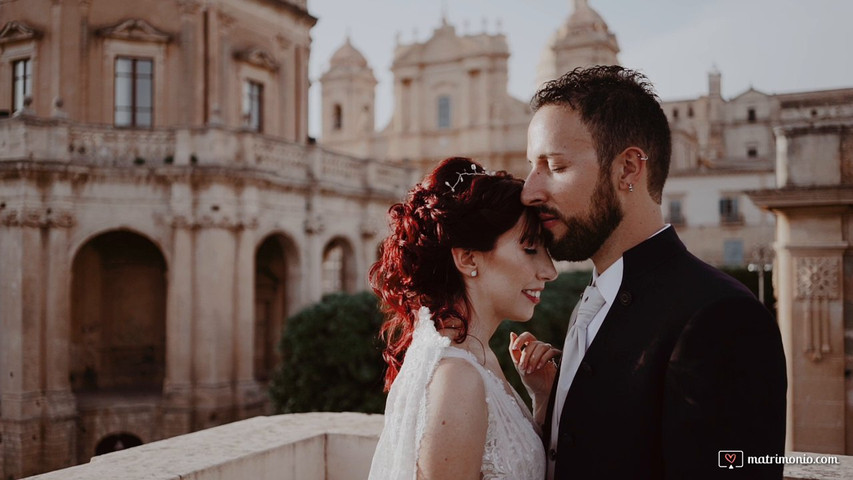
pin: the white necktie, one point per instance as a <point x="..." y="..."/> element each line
<point x="573" y="351"/>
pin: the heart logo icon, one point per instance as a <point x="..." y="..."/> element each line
<point x="731" y="457"/>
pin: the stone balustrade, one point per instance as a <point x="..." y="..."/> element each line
<point x="308" y="446"/>
<point x="59" y="141"/>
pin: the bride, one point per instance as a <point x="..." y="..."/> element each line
<point x="464" y="254"/>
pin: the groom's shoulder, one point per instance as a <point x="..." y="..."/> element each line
<point x="695" y="273"/>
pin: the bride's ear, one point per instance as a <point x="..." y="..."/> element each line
<point x="465" y="260"/>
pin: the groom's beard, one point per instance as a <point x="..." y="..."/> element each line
<point x="585" y="236"/>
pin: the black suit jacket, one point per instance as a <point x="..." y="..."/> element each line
<point x="687" y="363"/>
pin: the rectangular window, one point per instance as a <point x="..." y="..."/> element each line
<point x="675" y="216"/>
<point x="751" y="152"/>
<point x="733" y="252"/>
<point x="750" y="115"/>
<point x="729" y="210"/>
<point x="22" y="82"/>
<point x="444" y="111"/>
<point x="134" y="92"/>
<point x="253" y="98"/>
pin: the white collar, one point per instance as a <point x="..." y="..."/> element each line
<point x="609" y="281"/>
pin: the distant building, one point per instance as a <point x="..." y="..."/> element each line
<point x="161" y="213"/>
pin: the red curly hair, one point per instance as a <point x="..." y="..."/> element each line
<point x="446" y="210"/>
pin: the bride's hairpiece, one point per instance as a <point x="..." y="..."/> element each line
<point x="463" y="174"/>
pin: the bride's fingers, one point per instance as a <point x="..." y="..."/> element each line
<point x="532" y="355"/>
<point x="550" y="355"/>
<point x="520" y="341"/>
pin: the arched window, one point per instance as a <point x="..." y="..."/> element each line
<point x="338" y="269"/>
<point x="274" y="281"/>
<point x="116" y="442"/>
<point x="118" y="314"/>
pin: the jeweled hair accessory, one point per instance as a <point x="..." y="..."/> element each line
<point x="462" y="176"/>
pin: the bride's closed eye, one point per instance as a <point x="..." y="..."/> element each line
<point x="530" y="250"/>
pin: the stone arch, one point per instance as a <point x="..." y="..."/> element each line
<point x="338" y="266"/>
<point x="277" y="276"/>
<point x="115" y="442"/>
<point x="118" y="314"/>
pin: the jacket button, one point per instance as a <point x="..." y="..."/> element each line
<point x="625" y="298"/>
<point x="586" y="368"/>
<point x="552" y="455"/>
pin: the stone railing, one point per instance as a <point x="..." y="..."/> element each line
<point x="308" y="446"/>
<point x="58" y="141"/>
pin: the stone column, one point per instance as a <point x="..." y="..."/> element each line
<point x="177" y="387"/>
<point x="213" y="323"/>
<point x="811" y="319"/>
<point x="61" y="410"/>
<point x="814" y="208"/>
<point x="21" y="341"/>
<point x="250" y="395"/>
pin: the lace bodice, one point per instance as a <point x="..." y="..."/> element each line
<point x="513" y="448"/>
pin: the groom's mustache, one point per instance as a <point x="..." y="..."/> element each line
<point x="544" y="209"/>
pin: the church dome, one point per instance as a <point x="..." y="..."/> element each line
<point x="348" y="56"/>
<point x="584" y="17"/>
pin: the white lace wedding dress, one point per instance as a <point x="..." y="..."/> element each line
<point x="513" y="449"/>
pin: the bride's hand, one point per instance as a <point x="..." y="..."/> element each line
<point x="534" y="361"/>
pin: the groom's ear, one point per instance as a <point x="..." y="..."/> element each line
<point x="465" y="260"/>
<point x="630" y="168"/>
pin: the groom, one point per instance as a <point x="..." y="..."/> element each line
<point x="671" y="369"/>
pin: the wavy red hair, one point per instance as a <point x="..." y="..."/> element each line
<point x="446" y="210"/>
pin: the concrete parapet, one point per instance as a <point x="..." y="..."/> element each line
<point x="309" y="446"/>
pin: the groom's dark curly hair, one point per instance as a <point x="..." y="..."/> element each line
<point x="620" y="109"/>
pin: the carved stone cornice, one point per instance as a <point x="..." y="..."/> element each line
<point x="15" y="31"/>
<point x="35" y="217"/>
<point x="257" y="57"/>
<point x="209" y="221"/>
<point x="135" y="29"/>
<point x="792" y="197"/>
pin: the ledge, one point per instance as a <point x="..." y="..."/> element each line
<point x="309" y="446"/>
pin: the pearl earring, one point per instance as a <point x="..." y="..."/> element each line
<point x="630" y="187"/>
<point x="473" y="273"/>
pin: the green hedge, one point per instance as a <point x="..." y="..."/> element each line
<point x="331" y="358"/>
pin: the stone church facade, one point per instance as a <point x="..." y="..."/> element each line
<point x="161" y="213"/>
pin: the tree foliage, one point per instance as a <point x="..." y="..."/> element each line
<point x="331" y="358"/>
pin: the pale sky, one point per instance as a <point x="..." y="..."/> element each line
<point x="775" y="46"/>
